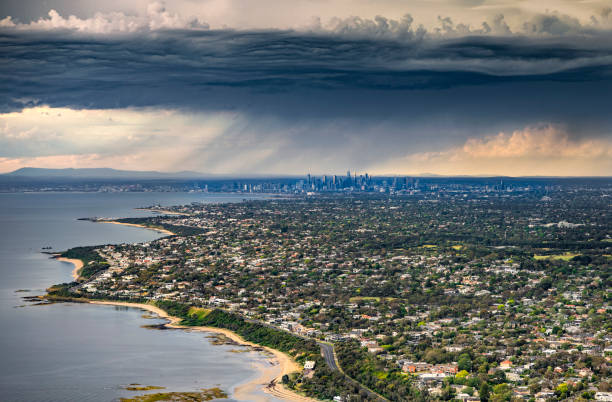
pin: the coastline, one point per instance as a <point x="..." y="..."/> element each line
<point x="163" y="211"/>
<point x="78" y="264"/>
<point x="164" y="231"/>
<point x="270" y="378"/>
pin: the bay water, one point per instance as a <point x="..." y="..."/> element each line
<point x="79" y="352"/>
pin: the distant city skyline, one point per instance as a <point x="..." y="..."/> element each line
<point x="450" y="88"/>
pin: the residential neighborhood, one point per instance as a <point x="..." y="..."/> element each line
<point x="463" y="295"/>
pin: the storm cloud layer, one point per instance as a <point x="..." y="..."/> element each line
<point x="180" y="67"/>
<point x="379" y="89"/>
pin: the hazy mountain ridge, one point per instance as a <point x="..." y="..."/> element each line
<point x="99" y="173"/>
<point x="110" y="173"/>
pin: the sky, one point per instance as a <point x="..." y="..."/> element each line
<point x="454" y="87"/>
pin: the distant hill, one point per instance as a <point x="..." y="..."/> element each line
<point x="98" y="173"/>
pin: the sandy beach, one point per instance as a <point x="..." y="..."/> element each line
<point x="163" y="211"/>
<point x="78" y="264"/>
<point x="270" y="376"/>
<point x="140" y="226"/>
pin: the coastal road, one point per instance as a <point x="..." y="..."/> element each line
<point x="327" y="351"/>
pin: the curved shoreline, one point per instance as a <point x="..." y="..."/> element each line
<point x="78" y="264"/>
<point x="270" y="377"/>
<point x="163" y="211"/>
<point x="164" y="231"/>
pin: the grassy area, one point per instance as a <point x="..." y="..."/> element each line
<point x="356" y="299"/>
<point x="198" y="313"/>
<point x="565" y="256"/>
<point x="364" y="298"/>
<point x="381" y="375"/>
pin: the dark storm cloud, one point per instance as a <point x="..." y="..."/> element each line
<point x="184" y="68"/>
<point x="354" y="92"/>
<point x="413" y="93"/>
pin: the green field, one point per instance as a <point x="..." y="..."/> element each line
<point x="363" y="298"/>
<point x="197" y="312"/>
<point x="565" y="256"/>
<point x="370" y="298"/>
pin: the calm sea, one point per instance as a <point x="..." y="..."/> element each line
<point x="72" y="352"/>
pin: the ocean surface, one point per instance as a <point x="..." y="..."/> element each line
<point x="75" y="352"/>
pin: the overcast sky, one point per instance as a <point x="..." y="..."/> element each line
<point x="243" y="87"/>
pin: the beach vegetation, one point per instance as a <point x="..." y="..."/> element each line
<point x="86" y="254"/>
<point x="93" y="268"/>
<point x="93" y="263"/>
<point x="155" y="223"/>
<point x="173" y="308"/>
<point x="139" y="387"/>
<point x="198" y="313"/>
<point x="60" y="290"/>
<point x="197" y="396"/>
